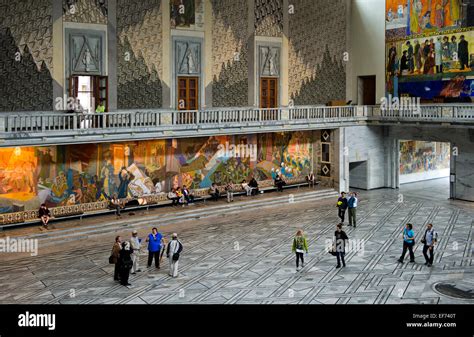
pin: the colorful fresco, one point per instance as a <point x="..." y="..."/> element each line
<point x="68" y="175"/>
<point x="396" y="14"/>
<point x="423" y="16"/>
<point x="428" y="41"/>
<point x="419" y="156"/>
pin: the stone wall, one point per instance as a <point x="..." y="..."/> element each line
<point x="317" y="42"/>
<point x="26" y="55"/>
<point x="85" y="11"/>
<point x="268" y="16"/>
<point x="139" y="53"/>
<point x="229" y="53"/>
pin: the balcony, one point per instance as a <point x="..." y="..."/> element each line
<point x="48" y="128"/>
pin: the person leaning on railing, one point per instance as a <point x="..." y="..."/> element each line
<point x="100" y="109"/>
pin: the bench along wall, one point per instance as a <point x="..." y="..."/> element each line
<point x="75" y="174"/>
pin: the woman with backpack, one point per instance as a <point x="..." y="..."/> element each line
<point x="299" y="247"/>
<point x="172" y="253"/>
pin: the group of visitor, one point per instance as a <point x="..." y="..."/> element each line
<point x="340" y="240"/>
<point x="430" y="238"/>
<point x="250" y="188"/>
<point x="126" y="254"/>
<point x="181" y="196"/>
<point x="348" y="202"/>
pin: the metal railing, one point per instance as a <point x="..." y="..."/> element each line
<point x="51" y="122"/>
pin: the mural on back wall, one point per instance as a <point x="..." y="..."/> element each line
<point x="420" y="156"/>
<point x="68" y="175"/>
<point x="429" y="50"/>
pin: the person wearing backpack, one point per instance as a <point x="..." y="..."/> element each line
<point x="428" y="241"/>
<point x="299" y="247"/>
<point x="408" y="243"/>
<point x="172" y="253"/>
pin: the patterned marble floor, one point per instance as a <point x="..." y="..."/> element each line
<point x="245" y="257"/>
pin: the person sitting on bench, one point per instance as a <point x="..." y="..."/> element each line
<point x="279" y="182"/>
<point x="116" y="204"/>
<point x="180" y="195"/>
<point x="310" y="178"/>
<point x="246" y="187"/>
<point x="188" y="196"/>
<point x="45" y="215"/>
<point x="254" y="185"/>
<point x="173" y="196"/>
<point x="214" y="192"/>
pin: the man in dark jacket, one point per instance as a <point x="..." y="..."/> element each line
<point x="254" y="185"/>
<point x="342" y="206"/>
<point x="463" y="53"/>
<point x="125" y="263"/>
<point x="340" y="238"/>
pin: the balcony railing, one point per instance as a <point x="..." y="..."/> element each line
<point x="136" y="121"/>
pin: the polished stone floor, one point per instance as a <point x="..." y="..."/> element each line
<point x="241" y="253"/>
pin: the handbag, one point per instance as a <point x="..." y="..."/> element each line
<point x="111" y="259"/>
<point x="175" y="256"/>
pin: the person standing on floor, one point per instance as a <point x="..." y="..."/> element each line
<point x="126" y="263"/>
<point x="300" y="246"/>
<point x="154" y="240"/>
<point x="172" y="253"/>
<point x="429" y="240"/>
<point x="340" y="238"/>
<point x="352" y="204"/>
<point x="135" y="243"/>
<point x="117" y="247"/>
<point x="408" y="243"/>
<point x="342" y="206"/>
<point x="229" y="189"/>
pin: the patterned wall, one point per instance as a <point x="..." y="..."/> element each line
<point x="268" y="17"/>
<point x="26" y="83"/>
<point x="85" y="11"/>
<point x="230" y="53"/>
<point x="139" y="52"/>
<point x="317" y="42"/>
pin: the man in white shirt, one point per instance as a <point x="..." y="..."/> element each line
<point x="352" y="204"/>
<point x="135" y="243"/>
<point x="172" y="252"/>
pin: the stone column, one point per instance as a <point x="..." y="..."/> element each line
<point x="166" y="61"/>
<point x="112" y="54"/>
<point x="207" y="74"/>
<point x="251" y="53"/>
<point x="59" y="80"/>
<point x="284" y="71"/>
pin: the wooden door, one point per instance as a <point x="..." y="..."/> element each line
<point x="188" y="93"/>
<point x="268" y="92"/>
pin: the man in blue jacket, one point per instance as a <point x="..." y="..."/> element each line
<point x="352" y="203"/>
<point x="155" y="241"/>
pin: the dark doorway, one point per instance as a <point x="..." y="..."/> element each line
<point x="366" y="86"/>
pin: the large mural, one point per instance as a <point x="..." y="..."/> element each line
<point x="429" y="50"/>
<point x="420" y="156"/>
<point x="68" y="175"/>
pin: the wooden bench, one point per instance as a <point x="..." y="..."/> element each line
<point x="61" y="213"/>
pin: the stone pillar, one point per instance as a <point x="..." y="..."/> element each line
<point x="251" y="53"/>
<point x="285" y="51"/>
<point x="207" y="74"/>
<point x="59" y="82"/>
<point x="166" y="78"/>
<point x="112" y="54"/>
